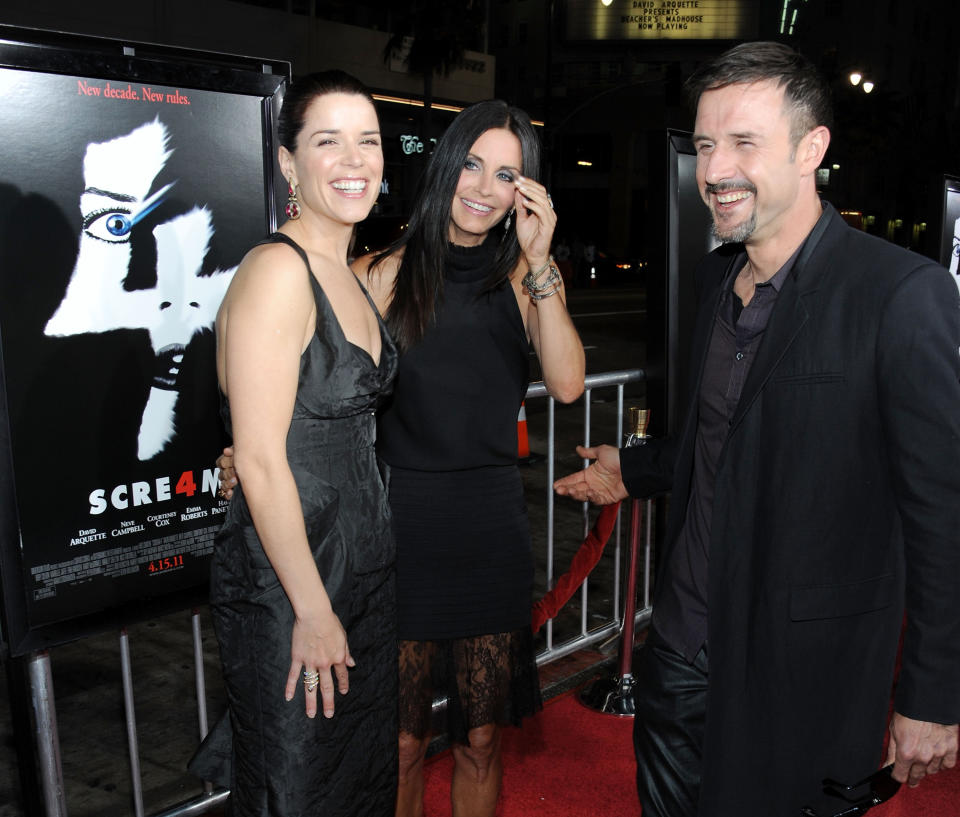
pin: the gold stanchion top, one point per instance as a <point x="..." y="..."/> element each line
<point x="639" y="420"/>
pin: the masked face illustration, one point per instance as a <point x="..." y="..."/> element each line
<point x="101" y="297"/>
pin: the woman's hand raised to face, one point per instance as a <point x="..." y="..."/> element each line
<point x="536" y="221"/>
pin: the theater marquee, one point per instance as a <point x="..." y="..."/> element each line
<point x="661" y="20"/>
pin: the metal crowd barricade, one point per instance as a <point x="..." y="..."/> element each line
<point x="603" y="631"/>
<point x="47" y="746"/>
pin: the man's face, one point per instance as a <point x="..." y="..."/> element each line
<point x="746" y="162"/>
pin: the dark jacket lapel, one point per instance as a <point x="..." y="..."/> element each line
<point x="789" y="313"/>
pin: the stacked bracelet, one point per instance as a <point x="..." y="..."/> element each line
<point x="551" y="284"/>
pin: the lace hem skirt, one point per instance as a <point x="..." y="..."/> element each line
<point x="485" y="678"/>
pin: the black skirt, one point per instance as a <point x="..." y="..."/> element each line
<point x="464" y="558"/>
<point x="465" y="581"/>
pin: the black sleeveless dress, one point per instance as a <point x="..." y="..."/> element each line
<point x="464" y="557"/>
<point x="284" y="763"/>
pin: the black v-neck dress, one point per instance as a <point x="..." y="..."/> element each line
<point x="283" y="763"/>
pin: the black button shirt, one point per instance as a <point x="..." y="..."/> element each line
<point x="680" y="615"/>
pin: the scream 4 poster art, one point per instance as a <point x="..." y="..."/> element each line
<point x="125" y="207"/>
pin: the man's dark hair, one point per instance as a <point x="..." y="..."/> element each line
<point x="805" y="93"/>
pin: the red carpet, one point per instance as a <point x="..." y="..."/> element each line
<point x="571" y="762"/>
<point x="566" y="762"/>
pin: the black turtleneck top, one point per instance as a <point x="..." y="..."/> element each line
<point x="458" y="391"/>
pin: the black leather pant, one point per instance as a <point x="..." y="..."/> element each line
<point x="670" y="698"/>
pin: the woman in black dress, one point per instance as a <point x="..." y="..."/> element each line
<point x="465" y="291"/>
<point x="302" y="589"/>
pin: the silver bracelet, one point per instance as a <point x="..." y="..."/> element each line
<point x="539" y="296"/>
<point x="553" y="279"/>
<point x="530" y="279"/>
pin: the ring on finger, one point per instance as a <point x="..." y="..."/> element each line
<point x="550" y="200"/>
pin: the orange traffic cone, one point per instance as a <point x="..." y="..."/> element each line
<point x="523" y="441"/>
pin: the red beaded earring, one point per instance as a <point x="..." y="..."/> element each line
<point x="293" y="206"/>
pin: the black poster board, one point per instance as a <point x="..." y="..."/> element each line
<point x="950" y="231"/>
<point x="686" y="228"/>
<point x="133" y="178"/>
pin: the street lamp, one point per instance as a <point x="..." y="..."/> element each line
<point x="856" y="78"/>
<point x="606" y="2"/>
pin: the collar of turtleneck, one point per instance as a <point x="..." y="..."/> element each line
<point x="468" y="264"/>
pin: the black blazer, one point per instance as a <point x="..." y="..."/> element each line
<point x="837" y="507"/>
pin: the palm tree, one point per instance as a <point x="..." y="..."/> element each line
<point x="433" y="35"/>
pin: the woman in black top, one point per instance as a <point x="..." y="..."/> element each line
<point x="453" y="295"/>
<point x="464" y="292"/>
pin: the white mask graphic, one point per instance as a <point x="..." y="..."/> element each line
<point x="118" y="175"/>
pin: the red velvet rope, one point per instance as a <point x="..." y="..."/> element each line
<point x="582" y="563"/>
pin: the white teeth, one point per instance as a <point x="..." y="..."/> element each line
<point x="352" y="186"/>
<point x="728" y="198"/>
<point x="475" y="205"/>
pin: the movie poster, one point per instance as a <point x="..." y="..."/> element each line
<point x="125" y="208"/>
<point x="950" y="243"/>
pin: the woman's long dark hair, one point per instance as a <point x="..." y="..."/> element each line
<point x="418" y="288"/>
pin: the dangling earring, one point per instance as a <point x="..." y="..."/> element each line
<point x="506" y="223"/>
<point x="293" y="206"/>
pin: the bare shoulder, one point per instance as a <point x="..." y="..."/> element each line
<point x="270" y="277"/>
<point x="276" y="266"/>
<point x="378" y="279"/>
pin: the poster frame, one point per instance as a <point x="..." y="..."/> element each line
<point x="950" y="213"/>
<point x="684" y="226"/>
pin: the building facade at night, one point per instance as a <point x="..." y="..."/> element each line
<point x="605" y="77"/>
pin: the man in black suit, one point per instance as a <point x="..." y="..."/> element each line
<point x="815" y="483"/>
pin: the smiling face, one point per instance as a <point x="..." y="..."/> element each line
<point x="485" y="191"/>
<point x="338" y="163"/>
<point x="749" y="172"/>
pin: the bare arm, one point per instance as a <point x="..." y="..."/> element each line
<point x="263" y="330"/>
<point x="549" y="327"/>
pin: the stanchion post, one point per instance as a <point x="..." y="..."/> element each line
<point x="614" y="696"/>
<point x="47" y="739"/>
<point x="630" y="603"/>
<point x="20" y="703"/>
<point x="131" y="719"/>
<point x="201" y="683"/>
